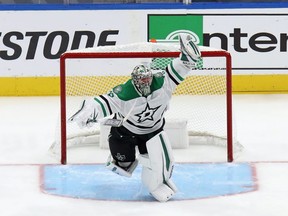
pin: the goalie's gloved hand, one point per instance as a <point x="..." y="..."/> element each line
<point x="86" y="116"/>
<point x="190" y="52"/>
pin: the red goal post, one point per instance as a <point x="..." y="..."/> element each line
<point x="124" y="54"/>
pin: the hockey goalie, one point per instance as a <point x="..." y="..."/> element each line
<point x="138" y="107"/>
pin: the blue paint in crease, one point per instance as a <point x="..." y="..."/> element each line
<point x="194" y="181"/>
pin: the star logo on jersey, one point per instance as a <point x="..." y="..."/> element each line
<point x="147" y="114"/>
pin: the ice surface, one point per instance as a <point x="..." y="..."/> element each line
<point x="27" y="129"/>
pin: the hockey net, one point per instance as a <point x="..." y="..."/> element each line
<point x="203" y="101"/>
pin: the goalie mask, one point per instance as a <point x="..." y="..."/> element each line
<point x="142" y="79"/>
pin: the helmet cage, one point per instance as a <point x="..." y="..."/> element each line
<point x="142" y="79"/>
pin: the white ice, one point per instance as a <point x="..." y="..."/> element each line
<point x="27" y="127"/>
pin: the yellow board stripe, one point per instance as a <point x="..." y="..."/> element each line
<point x="50" y="86"/>
<point x="277" y="83"/>
<point x="29" y="86"/>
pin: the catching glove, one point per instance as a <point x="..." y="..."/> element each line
<point x="190" y="52"/>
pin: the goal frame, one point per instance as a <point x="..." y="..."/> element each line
<point x="168" y="54"/>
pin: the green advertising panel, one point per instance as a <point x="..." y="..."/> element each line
<point x="165" y="28"/>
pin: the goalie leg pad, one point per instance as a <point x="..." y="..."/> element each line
<point x="157" y="167"/>
<point x="122" y="171"/>
<point x="163" y="193"/>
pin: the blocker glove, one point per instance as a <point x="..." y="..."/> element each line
<point x="86" y="116"/>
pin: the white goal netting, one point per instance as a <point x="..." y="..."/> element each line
<point x="202" y="102"/>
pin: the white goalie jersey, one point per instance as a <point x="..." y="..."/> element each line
<point x="143" y="114"/>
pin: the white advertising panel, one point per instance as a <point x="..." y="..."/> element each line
<point x="31" y="41"/>
<point x="257" y="43"/>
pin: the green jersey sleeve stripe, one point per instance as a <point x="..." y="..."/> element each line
<point x="175" y="72"/>
<point x="102" y="106"/>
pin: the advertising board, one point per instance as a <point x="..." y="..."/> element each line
<point x="30" y="50"/>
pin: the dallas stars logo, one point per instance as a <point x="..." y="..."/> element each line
<point x="120" y="157"/>
<point x="147" y="114"/>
